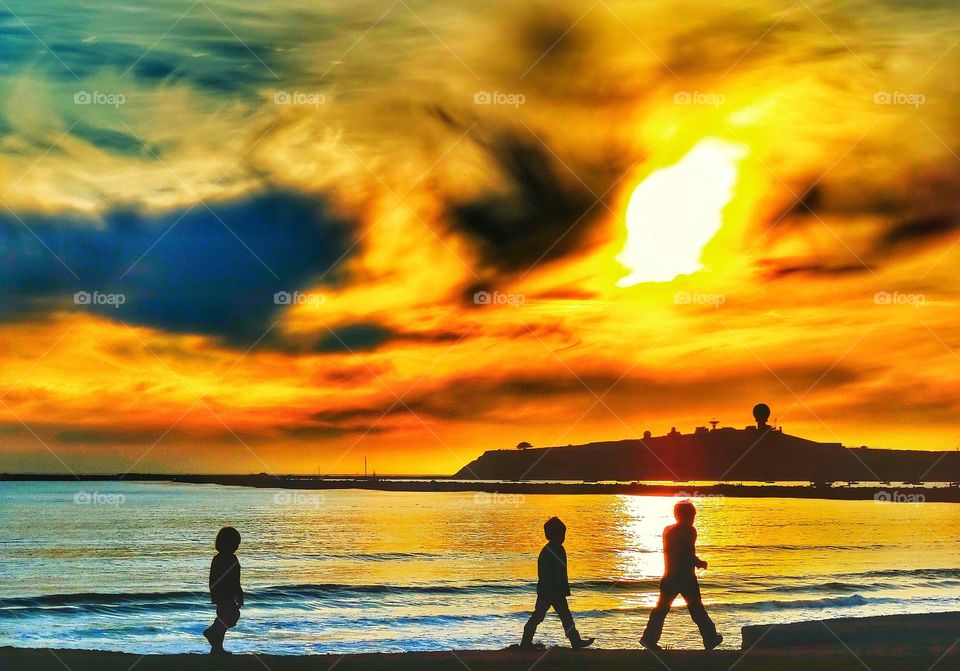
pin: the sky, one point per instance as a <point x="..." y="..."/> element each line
<point x="285" y="236"/>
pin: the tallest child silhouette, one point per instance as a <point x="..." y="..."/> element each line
<point x="680" y="578"/>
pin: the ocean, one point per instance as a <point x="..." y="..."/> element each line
<point x="123" y="565"/>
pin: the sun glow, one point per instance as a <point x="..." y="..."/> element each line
<point x="677" y="210"/>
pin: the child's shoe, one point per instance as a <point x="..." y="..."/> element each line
<point x="650" y="645"/>
<point x="581" y="643"/>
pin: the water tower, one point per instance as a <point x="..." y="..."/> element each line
<point x="761" y="413"/>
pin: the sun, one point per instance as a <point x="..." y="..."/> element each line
<point x="677" y="210"/>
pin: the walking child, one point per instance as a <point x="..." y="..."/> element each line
<point x="225" y="590"/>
<point x="680" y="578"/>
<point x="553" y="587"/>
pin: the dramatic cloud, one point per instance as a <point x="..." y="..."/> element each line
<point x="209" y="269"/>
<point x="398" y="231"/>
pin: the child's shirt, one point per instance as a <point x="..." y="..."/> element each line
<point x="552" y="571"/>
<point x="225" y="578"/>
<point x="679" y="549"/>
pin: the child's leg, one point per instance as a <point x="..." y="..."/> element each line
<point x="539" y="612"/>
<point x="562" y="609"/>
<point x="215" y="633"/>
<point x="659" y="613"/>
<point x="691" y="594"/>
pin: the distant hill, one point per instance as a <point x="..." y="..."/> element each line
<point x="757" y="453"/>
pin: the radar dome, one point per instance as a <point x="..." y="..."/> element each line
<point x="761" y="413"/>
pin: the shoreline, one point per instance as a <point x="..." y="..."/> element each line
<point x="879" y="491"/>
<point x="878" y="643"/>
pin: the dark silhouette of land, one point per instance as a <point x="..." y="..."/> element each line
<point x="756" y="453"/>
<point x="758" y="461"/>
<point x="877" y="491"/>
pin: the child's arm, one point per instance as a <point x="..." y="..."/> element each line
<point x="699" y="563"/>
<point x="212" y="582"/>
<point x="239" y="588"/>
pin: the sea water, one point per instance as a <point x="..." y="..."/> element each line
<point x="124" y="565"/>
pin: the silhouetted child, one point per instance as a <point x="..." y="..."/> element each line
<point x="680" y="577"/>
<point x="225" y="590"/>
<point x="553" y="587"/>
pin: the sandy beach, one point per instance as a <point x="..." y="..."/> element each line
<point x="922" y="642"/>
<point x="558" y="659"/>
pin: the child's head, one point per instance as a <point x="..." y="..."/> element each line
<point x="685" y="512"/>
<point x="555" y="530"/>
<point x="228" y="540"/>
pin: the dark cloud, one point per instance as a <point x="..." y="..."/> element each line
<point x="544" y="214"/>
<point x="775" y="270"/>
<point x="197" y="50"/>
<point x="916" y="232"/>
<point x="315" y="431"/>
<point x="110" y="436"/>
<point x="360" y="337"/>
<point x="145" y="437"/>
<point x="114" y="141"/>
<point x="506" y="400"/>
<point x="196" y="270"/>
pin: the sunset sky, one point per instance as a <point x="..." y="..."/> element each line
<point x="282" y="236"/>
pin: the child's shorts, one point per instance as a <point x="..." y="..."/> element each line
<point x="228" y="614"/>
